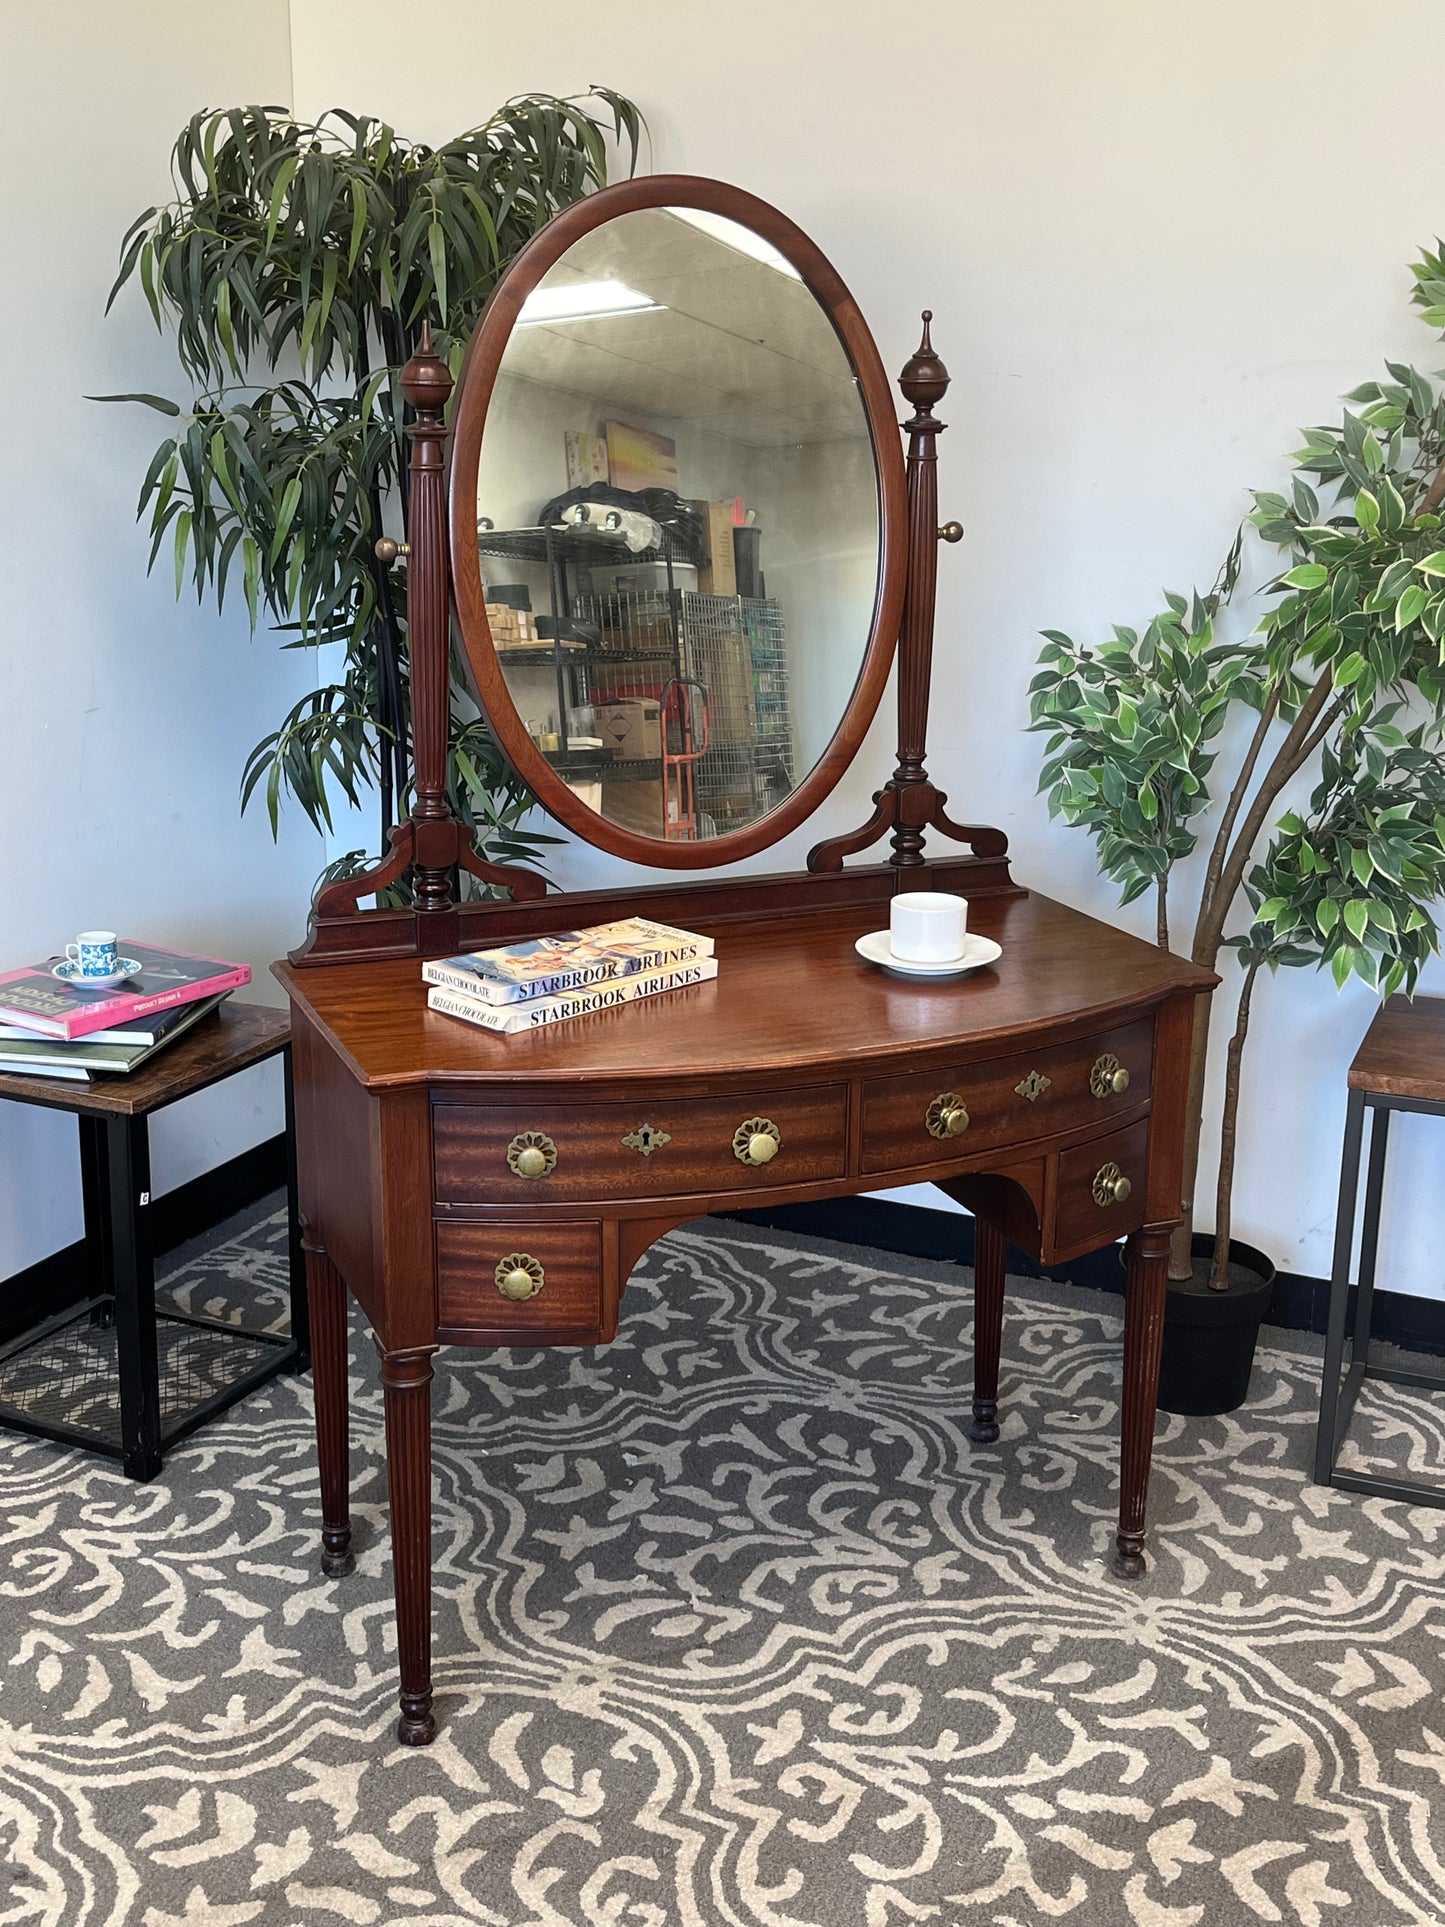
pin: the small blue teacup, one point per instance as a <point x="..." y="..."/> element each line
<point x="93" y="953"/>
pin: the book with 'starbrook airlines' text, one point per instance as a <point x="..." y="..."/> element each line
<point x="575" y="960"/>
<point x="538" y="1012"/>
<point x="36" y="999"/>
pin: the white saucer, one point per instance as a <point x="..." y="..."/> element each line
<point x="977" y="951"/>
<point x="71" y="973"/>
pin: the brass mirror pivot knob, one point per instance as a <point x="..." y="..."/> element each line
<point x="951" y="532"/>
<point x="947" y="1116"/>
<point x="1110" y="1185"/>
<point x="388" y="550"/>
<point x="757" y="1141"/>
<point x="520" y="1277"/>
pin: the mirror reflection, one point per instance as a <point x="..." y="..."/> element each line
<point x="678" y="523"/>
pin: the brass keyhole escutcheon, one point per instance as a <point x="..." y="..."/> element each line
<point x="1108" y="1077"/>
<point x="532" y="1154"/>
<point x="520" y="1277"/>
<point x="646" y="1139"/>
<point x="947" y="1115"/>
<point x="757" y="1141"/>
<point x="1110" y="1185"/>
<point x="1033" y="1086"/>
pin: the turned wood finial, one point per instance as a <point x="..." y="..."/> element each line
<point x="425" y="380"/>
<point x="924" y="379"/>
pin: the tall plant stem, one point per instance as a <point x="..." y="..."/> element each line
<point x="1228" y="1132"/>
<point x="1299" y="744"/>
<point x="1232" y="808"/>
<point x="1161" y="911"/>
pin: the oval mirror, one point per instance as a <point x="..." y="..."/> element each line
<point x="676" y="517"/>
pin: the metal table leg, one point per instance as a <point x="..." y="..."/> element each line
<point x="296" y="1256"/>
<point x="129" y="1235"/>
<point x="1326" y="1435"/>
<point x="94" y="1183"/>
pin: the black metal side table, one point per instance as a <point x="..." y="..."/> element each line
<point x="112" y="1374"/>
<point x="1400" y="1066"/>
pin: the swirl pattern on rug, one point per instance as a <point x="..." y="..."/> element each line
<point x="734" y="1628"/>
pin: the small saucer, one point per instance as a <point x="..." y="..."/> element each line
<point x="70" y="973"/>
<point x="977" y="951"/>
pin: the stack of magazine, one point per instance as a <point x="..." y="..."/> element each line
<point x="54" y="1029"/>
<point x="546" y="980"/>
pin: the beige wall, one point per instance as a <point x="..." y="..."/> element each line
<point x="127" y="717"/>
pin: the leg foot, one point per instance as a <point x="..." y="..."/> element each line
<point x="983" y="1429"/>
<point x="337" y="1559"/>
<point x="990" y="1262"/>
<point x="417" y="1726"/>
<point x="1129" y="1560"/>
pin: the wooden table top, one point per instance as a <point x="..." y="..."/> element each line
<point x="790" y="995"/>
<point x="1403" y="1053"/>
<point x="228" y="1040"/>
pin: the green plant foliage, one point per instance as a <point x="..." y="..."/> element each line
<point x="1352" y="883"/>
<point x="1132" y="726"/>
<point x="296" y="265"/>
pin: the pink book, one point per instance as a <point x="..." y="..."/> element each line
<point x="39" y="1001"/>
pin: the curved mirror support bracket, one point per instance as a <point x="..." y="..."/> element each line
<point x="910" y="803"/>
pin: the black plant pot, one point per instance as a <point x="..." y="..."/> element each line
<point x="1209" y="1336"/>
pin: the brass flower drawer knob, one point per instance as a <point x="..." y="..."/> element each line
<point x="757" y="1141"/>
<point x="520" y="1277"/>
<point x="1110" y="1185"/>
<point x="1108" y="1077"/>
<point x="532" y="1154"/>
<point x="947" y="1116"/>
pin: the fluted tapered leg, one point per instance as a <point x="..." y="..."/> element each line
<point x="406" y="1385"/>
<point x="327" y="1296"/>
<point x="1146" y="1278"/>
<point x="990" y="1254"/>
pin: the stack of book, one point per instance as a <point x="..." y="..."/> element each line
<point x="51" y="1029"/>
<point x="546" y="980"/>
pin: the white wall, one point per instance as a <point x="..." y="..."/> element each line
<point x="127" y="717"/>
<point x="1157" y="240"/>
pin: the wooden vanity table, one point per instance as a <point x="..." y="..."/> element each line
<point x="479" y="1190"/>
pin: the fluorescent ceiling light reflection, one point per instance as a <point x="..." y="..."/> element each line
<point x="732" y="235"/>
<point x="584" y="301"/>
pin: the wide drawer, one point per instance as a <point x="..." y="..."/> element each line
<point x="476" y="1261"/>
<point x="1006" y="1100"/>
<point x="1102" y="1192"/>
<point x="484" y="1154"/>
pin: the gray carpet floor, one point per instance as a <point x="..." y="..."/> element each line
<point x="734" y="1628"/>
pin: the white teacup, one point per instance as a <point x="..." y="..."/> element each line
<point x="93" y="953"/>
<point x="927" y="926"/>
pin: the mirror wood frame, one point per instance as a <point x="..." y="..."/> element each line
<point x="474" y="394"/>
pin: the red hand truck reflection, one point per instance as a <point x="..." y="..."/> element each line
<point x="684" y="702"/>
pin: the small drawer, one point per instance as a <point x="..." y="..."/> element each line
<point x="1006" y="1100"/>
<point x="1101" y="1191"/>
<point x="657" y="1147"/>
<point x="564" y="1262"/>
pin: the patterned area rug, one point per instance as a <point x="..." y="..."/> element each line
<point x="735" y="1628"/>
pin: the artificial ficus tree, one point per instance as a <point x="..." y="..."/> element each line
<point x="1343" y="673"/>
<point x="296" y="265"/>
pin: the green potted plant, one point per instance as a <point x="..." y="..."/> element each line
<point x="1343" y="673"/>
<point x="296" y="265"/>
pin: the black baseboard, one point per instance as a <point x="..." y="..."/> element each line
<point x="55" y="1283"/>
<point x="1299" y="1303"/>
